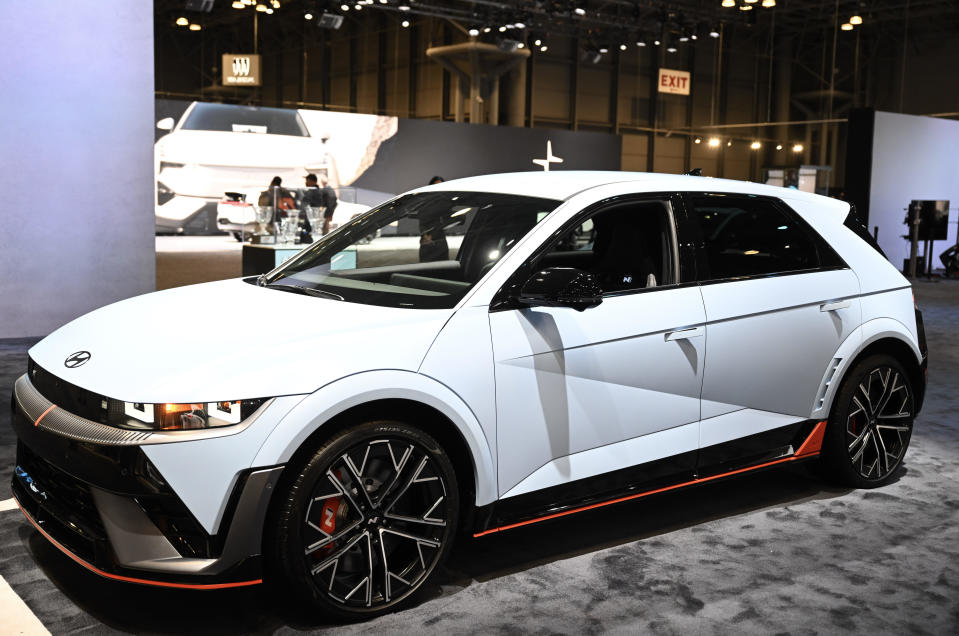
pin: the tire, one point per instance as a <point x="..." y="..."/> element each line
<point x="355" y="553"/>
<point x="870" y="425"/>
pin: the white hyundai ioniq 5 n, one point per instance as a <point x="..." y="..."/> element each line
<point x="467" y="358"/>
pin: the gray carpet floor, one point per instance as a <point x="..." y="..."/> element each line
<point x="773" y="553"/>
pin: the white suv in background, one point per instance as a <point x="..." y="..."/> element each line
<point x="505" y="350"/>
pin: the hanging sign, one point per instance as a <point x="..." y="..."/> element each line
<point x="675" y="82"/>
<point x="241" y="69"/>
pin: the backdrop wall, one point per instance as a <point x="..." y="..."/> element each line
<point x="912" y="158"/>
<point x="76" y="172"/>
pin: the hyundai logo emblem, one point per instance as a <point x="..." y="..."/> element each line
<point x="76" y="359"/>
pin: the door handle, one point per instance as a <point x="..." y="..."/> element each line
<point x="834" y="306"/>
<point x="684" y="334"/>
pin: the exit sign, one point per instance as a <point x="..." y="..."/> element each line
<point x="675" y="82"/>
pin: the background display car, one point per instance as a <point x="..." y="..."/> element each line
<point x="219" y="148"/>
<point x="468" y="358"/>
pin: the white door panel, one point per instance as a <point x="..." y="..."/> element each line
<point x="595" y="461"/>
<point x="770" y="341"/>
<point x="741" y="423"/>
<point x="569" y="381"/>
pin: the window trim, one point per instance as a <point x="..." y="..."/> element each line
<point x="824" y="251"/>
<point x="674" y="205"/>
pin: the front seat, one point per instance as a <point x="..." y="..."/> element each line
<point x="620" y="258"/>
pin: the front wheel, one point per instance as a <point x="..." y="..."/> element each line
<point x="366" y="521"/>
<point x="871" y="423"/>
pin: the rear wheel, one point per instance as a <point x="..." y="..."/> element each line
<point x="871" y="423"/>
<point x="367" y="520"/>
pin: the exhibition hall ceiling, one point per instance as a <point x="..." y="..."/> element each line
<point x="605" y="22"/>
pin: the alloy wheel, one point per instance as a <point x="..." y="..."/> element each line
<point x="879" y="423"/>
<point x="376" y="523"/>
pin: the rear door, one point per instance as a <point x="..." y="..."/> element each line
<point x="779" y="302"/>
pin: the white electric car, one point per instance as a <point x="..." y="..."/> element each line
<point x="220" y="148"/>
<point x="506" y="350"/>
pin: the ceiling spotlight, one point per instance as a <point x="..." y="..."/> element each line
<point x="655" y="42"/>
<point x="684" y="38"/>
<point x="404" y="7"/>
<point x="261" y="8"/>
<point x="622" y="47"/>
<point x="713" y="142"/>
<point x="745" y="7"/>
<point x="384" y="1"/>
<point x="182" y="22"/>
<point x="520" y="25"/>
<point x="714" y="33"/>
<point x="307" y="16"/>
<point x="640" y="43"/>
<point x="798" y="148"/>
<point x="537" y="42"/>
<point x="729" y="144"/>
<point x="694" y="36"/>
<point x="846" y="27"/>
<point x="237" y="4"/>
<point x="275" y="3"/>
<point x="779" y="146"/>
<point x="755" y="145"/>
<point x="750" y="1"/>
<point x="344" y="7"/>
<point x="502" y="29"/>
<point x="521" y="46"/>
<point x="474" y="32"/>
<point x="604" y="50"/>
<point x="544" y="48"/>
<point x="671" y="49"/>
<point x="358" y="6"/>
<point x="855" y="20"/>
<point x="579" y="11"/>
<point x="768" y="4"/>
<point x="729" y="3"/>
<point x="195" y="27"/>
<point x="248" y="3"/>
<point x="487" y="29"/>
<point x="405" y="24"/>
<point x="269" y="11"/>
<point x="698" y="140"/>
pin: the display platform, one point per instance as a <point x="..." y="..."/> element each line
<point x="259" y="259"/>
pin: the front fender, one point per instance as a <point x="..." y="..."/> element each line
<point x="354" y="390"/>
<point x="854" y="344"/>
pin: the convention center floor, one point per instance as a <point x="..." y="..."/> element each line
<point x="776" y="552"/>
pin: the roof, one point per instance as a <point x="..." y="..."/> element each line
<point x="563" y="184"/>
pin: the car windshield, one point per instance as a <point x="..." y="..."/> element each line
<point x="245" y="119"/>
<point x="424" y="250"/>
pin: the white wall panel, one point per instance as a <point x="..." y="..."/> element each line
<point x="76" y="161"/>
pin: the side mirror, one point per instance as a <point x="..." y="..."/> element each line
<point x="166" y="123"/>
<point x="561" y="287"/>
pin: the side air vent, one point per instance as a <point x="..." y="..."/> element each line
<point x="830" y="375"/>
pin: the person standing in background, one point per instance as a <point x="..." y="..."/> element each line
<point x="330" y="201"/>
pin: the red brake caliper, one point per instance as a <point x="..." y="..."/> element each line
<point x="331" y="507"/>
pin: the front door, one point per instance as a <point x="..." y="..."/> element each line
<point x="582" y="393"/>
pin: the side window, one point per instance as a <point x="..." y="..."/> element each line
<point x="746" y="236"/>
<point x="626" y="246"/>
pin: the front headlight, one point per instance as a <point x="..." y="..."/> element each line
<point x="184" y="417"/>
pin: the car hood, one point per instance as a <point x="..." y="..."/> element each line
<point x="231" y="340"/>
<point x="252" y="150"/>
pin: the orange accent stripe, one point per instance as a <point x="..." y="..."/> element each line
<point x="814" y="442"/>
<point x="44" y="414"/>
<point x="130" y="579"/>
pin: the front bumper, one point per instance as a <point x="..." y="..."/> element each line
<point x="98" y="498"/>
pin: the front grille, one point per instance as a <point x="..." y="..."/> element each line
<point x="60" y="504"/>
<point x="70" y="397"/>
